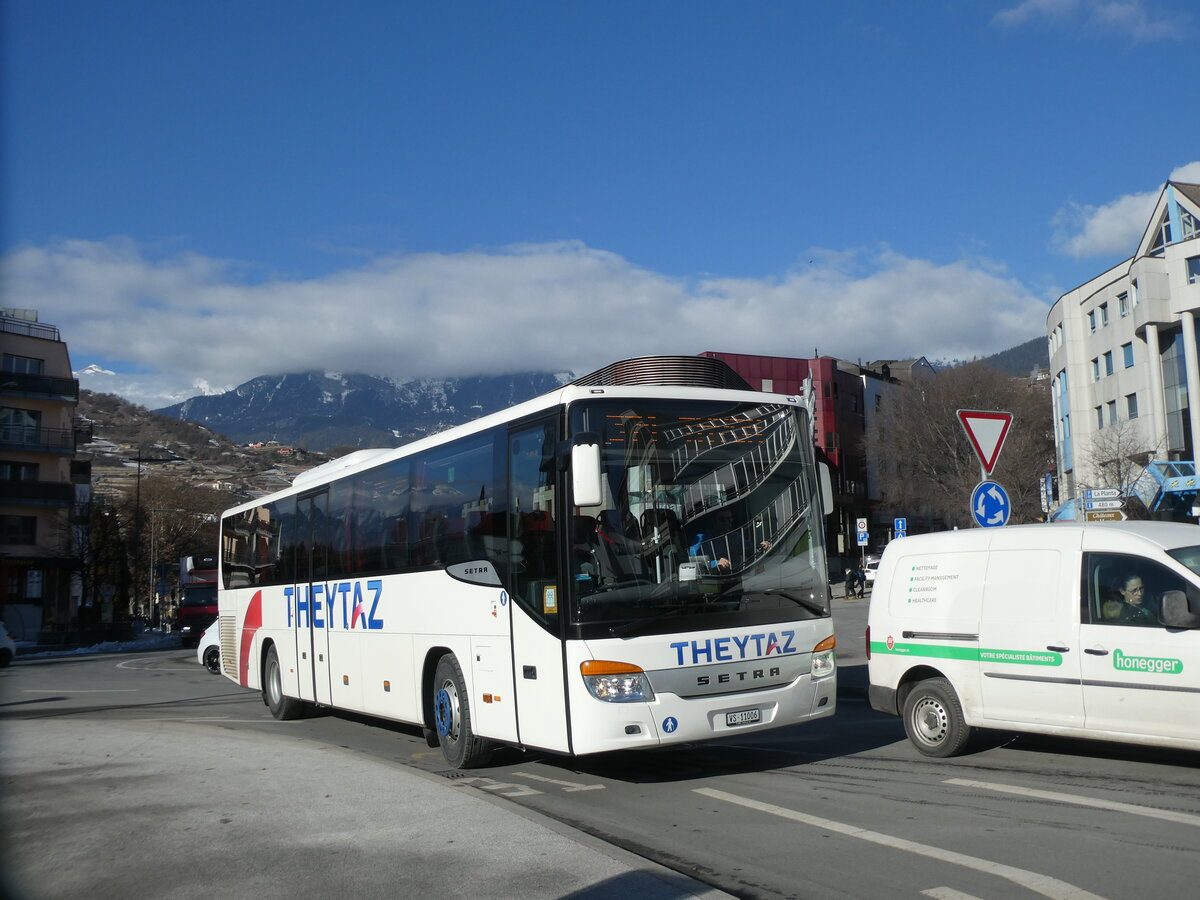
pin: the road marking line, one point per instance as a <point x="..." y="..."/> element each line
<point x="567" y="786"/>
<point x="1039" y="884"/>
<point x="945" y="893"/>
<point x="82" y="691"/>
<point x="503" y="788"/>
<point x="1078" y="800"/>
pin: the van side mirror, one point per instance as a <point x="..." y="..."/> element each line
<point x="586" y="487"/>
<point x="1175" y="612"/>
<point x="825" y="482"/>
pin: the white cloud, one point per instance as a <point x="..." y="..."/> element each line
<point x="1083" y="230"/>
<point x="1133" y="19"/>
<point x="176" y="327"/>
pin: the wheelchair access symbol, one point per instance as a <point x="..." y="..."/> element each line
<point x="990" y="505"/>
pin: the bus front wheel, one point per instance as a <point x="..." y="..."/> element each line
<point x="281" y="707"/>
<point x="452" y="716"/>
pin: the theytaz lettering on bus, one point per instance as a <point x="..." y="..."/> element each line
<point x="733" y="648"/>
<point x="318" y="606"/>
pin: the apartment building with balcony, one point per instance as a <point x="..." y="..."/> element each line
<point x="847" y="395"/>
<point x="43" y="487"/>
<point x="1125" y="368"/>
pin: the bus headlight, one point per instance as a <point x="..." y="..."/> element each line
<point x="616" y="682"/>
<point x="823" y="661"/>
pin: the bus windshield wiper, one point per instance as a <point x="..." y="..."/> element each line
<point x="810" y="605"/>
<point x="639" y="624"/>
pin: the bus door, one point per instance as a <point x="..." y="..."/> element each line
<point x="312" y="607"/>
<point x="537" y="591"/>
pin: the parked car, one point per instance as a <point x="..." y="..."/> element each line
<point x="8" y="646"/>
<point x="208" y="648"/>
<point x="871" y="568"/>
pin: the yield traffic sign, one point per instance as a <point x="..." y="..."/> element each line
<point x="986" y="431"/>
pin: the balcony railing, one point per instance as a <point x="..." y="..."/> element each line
<point x="13" y="384"/>
<point x="29" y="329"/>
<point x="37" y="440"/>
<point x="37" y="493"/>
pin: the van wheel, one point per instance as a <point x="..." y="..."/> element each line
<point x="452" y="715"/>
<point x="933" y="719"/>
<point x="281" y="707"/>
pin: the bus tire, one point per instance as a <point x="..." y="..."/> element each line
<point x="452" y="716"/>
<point x="281" y="707"/>
<point x="933" y="719"/>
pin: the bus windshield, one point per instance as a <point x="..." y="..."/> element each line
<point x="710" y="509"/>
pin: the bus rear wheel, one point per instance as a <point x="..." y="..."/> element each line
<point x="282" y="707"/>
<point x="933" y="719"/>
<point x="452" y="716"/>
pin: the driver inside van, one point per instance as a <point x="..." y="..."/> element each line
<point x="1131" y="609"/>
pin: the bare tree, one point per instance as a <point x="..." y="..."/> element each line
<point x="176" y="519"/>
<point x="1118" y="456"/>
<point x="926" y="464"/>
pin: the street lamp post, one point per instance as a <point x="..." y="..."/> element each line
<point x="137" y="518"/>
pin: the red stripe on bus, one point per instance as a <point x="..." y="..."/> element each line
<point x="250" y="626"/>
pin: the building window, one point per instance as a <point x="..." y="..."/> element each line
<point x="1127" y="354"/>
<point x="1112" y="412"/>
<point x="1193" y="270"/>
<point x="1103" y="314"/>
<point x="1133" y="289"/>
<point x="1096" y="369"/>
<point x="18" y="529"/>
<point x="23" y="365"/>
<point x="20" y="426"/>
<point x="1190" y="227"/>
<point x="1123" y="304"/>
<point x="1092" y="321"/>
<point x="1108" y="363"/>
<point x="18" y="471"/>
<point x="768" y="385"/>
<point x="1099" y="416"/>
<point x="1131" y="410"/>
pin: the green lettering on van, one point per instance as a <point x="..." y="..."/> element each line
<point x="971" y="654"/>
<point x="1156" y="665"/>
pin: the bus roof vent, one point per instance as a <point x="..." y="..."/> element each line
<point x="677" y="371"/>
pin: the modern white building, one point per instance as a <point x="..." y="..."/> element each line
<point x="1124" y="363"/>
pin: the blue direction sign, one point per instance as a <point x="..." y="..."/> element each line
<point x="899" y="527"/>
<point x="990" y="505"/>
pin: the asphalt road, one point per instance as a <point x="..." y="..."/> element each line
<point x="145" y="776"/>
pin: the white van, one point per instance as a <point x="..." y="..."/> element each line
<point x="1086" y="631"/>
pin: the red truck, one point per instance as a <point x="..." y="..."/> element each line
<point x="197" y="597"/>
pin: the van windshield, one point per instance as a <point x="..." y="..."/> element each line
<point x="1189" y="556"/>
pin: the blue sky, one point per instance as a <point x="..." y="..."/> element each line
<point x="199" y="193"/>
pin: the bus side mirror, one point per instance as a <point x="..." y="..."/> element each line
<point x="585" y="469"/>
<point x="826" y="485"/>
<point x="1175" y="611"/>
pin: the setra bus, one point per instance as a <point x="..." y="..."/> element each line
<point x="633" y="560"/>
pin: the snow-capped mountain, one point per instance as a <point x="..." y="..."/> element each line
<point x="319" y="410"/>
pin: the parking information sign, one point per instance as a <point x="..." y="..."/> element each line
<point x="860" y="526"/>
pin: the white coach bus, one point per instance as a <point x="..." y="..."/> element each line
<point x="633" y="560"/>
